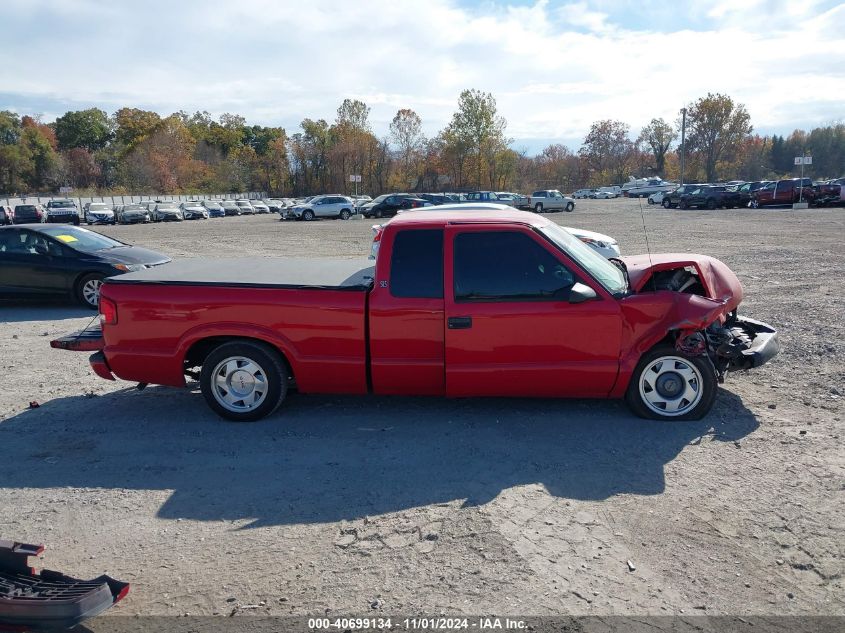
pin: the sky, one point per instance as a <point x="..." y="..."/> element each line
<point x="553" y="67"/>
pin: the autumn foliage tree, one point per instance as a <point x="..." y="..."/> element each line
<point x="716" y="128"/>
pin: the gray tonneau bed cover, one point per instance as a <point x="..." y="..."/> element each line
<point x="259" y="272"/>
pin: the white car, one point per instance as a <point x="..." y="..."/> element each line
<point x="193" y="210"/>
<point x="603" y="195"/>
<point x="583" y="193"/>
<point x="603" y="244"/>
<point x="657" y="197"/>
<point x="98" y="213"/>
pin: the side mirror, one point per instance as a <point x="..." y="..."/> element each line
<point x="581" y="293"/>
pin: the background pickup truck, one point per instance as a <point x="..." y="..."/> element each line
<point x="467" y="303"/>
<point x="710" y="197"/>
<point x="550" y="200"/>
<point x="782" y="192"/>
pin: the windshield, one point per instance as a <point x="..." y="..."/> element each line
<point x="133" y="207"/>
<point x="81" y="239"/>
<point x="98" y="206"/>
<point x="167" y="207"/>
<point x="602" y="270"/>
<point x="61" y="204"/>
<point x="211" y="205"/>
<point x="28" y="208"/>
<point x="381" y="198"/>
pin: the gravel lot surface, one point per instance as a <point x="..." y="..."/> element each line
<point x="344" y="505"/>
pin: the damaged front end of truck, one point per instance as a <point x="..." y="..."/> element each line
<point x="693" y="300"/>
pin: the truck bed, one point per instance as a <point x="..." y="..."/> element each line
<point x="259" y="272"/>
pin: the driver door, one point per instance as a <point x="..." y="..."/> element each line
<point x="511" y="329"/>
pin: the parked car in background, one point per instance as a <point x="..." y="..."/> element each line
<point x="547" y="200"/>
<point x="437" y="199"/>
<point x="516" y="200"/>
<point x="603" y="195"/>
<point x="6" y="215"/>
<point x="782" y="192"/>
<point x="390" y="204"/>
<point x="583" y="193"/>
<point x="744" y="191"/>
<point x="703" y="196"/>
<point x="672" y="198"/>
<point x="330" y="206"/>
<point x="230" y="207"/>
<point x="616" y="190"/>
<point x="482" y="196"/>
<point x="214" y="207"/>
<point x="274" y="204"/>
<point x="167" y="212"/>
<point x="131" y="214"/>
<point x="193" y="210"/>
<point x="245" y="206"/>
<point x="27" y="214"/>
<point x="98" y="213"/>
<point x="62" y="210"/>
<point x="829" y="193"/>
<point x="70" y="261"/>
<point x="657" y="197"/>
<point x="259" y="206"/>
<point x="361" y="200"/>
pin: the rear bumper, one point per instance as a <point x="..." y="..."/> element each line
<point x="100" y="366"/>
<point x="764" y="345"/>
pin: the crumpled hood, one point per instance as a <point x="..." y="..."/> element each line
<point x="720" y="282"/>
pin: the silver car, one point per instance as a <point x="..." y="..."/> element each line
<point x="98" y="213"/>
<point x="333" y="206"/>
<point x="245" y="206"/>
<point x="167" y="212"/>
<point x="259" y="206"/>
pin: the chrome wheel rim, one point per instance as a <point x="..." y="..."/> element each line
<point x="239" y="384"/>
<point x="671" y="386"/>
<point x="91" y="291"/>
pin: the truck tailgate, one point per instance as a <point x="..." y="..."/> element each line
<point x="88" y="340"/>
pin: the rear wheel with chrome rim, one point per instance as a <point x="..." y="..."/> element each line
<point x="669" y="386"/>
<point x="244" y="381"/>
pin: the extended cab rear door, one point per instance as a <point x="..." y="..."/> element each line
<point x="406" y="317"/>
<point x="511" y="329"/>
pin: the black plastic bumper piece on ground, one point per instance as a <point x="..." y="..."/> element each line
<point x="764" y="345"/>
<point x="48" y="600"/>
<point x="87" y="340"/>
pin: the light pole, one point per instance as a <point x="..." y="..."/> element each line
<point x="683" y="140"/>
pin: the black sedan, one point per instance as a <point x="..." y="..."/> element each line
<point x="43" y="260"/>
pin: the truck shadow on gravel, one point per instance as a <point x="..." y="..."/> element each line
<point x="323" y="459"/>
<point x="17" y="310"/>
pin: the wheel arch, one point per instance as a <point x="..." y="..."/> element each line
<point x="195" y="349"/>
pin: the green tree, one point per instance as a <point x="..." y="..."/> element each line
<point x="658" y="136"/>
<point x="477" y="129"/>
<point x="132" y="125"/>
<point x="90" y="129"/>
<point x="716" y="127"/>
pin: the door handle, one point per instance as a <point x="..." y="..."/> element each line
<point x="459" y="323"/>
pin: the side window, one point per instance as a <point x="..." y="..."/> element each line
<point x="10" y="241"/>
<point x="416" y="266"/>
<point x="507" y="266"/>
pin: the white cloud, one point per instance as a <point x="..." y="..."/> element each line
<point x="554" y="69"/>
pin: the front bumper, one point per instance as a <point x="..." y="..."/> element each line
<point x="63" y="218"/>
<point x="764" y="345"/>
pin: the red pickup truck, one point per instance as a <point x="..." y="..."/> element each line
<point x="469" y="303"/>
<point x="783" y="192"/>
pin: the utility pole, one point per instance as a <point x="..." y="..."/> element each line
<point x="683" y="140"/>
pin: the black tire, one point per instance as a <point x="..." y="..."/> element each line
<point x="683" y="205"/>
<point x="707" y="386"/>
<point x="711" y="204"/>
<point x="266" y="358"/>
<point x="76" y="222"/>
<point x="570" y="206"/>
<point x="666" y="203"/>
<point x="87" y="289"/>
<point x="754" y="204"/>
<point x="378" y="214"/>
<point x="650" y="201"/>
<point x="308" y="215"/>
<point x="345" y="214"/>
<point x="538" y="208"/>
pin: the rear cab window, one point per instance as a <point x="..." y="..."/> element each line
<point x="416" y="265"/>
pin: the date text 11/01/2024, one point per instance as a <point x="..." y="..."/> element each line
<point x="486" y="623"/>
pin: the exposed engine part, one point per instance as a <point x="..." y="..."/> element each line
<point x="692" y="344"/>
<point x="676" y="280"/>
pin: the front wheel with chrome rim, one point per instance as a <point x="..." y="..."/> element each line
<point x="88" y="290"/>
<point x="244" y="381"/>
<point x="667" y="385"/>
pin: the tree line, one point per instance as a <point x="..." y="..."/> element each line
<point x="136" y="150"/>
